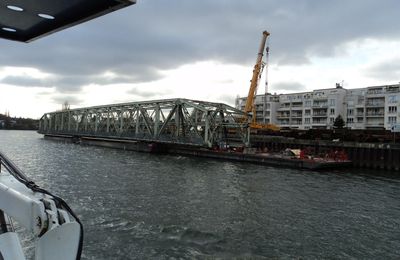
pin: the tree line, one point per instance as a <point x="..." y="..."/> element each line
<point x="18" y="123"/>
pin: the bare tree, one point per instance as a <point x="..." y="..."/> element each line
<point x="65" y="106"/>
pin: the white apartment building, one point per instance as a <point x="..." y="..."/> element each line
<point x="363" y="108"/>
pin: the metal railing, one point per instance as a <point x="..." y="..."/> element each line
<point x="10" y="166"/>
<point x="320" y="114"/>
<point x="376" y="114"/>
<point x="324" y="105"/>
<point x="375" y="104"/>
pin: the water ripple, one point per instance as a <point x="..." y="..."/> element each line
<point x="146" y="206"/>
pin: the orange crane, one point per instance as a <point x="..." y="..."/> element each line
<point x="258" y="68"/>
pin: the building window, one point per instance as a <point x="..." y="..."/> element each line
<point x="307" y="112"/>
<point x="332" y="102"/>
<point x="392" y="120"/>
<point x="332" y="111"/>
<point x="307" y="121"/>
<point x="350" y="112"/>
<point x="392" y="99"/>
<point x="332" y="120"/>
<point x="350" y="120"/>
<point x="307" y="103"/>
<point x="392" y="109"/>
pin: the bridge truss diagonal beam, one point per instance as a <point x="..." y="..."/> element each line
<point x="182" y="121"/>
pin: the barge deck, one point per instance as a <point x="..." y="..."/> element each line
<point x="270" y="159"/>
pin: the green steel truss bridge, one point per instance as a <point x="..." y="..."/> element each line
<point x="180" y="121"/>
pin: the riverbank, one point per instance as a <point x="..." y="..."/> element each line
<point x="18" y="123"/>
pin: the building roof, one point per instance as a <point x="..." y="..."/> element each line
<point x="22" y="20"/>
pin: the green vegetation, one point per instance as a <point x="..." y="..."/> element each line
<point x="18" y="123"/>
<point x="339" y="122"/>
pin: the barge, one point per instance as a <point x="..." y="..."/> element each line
<point x="242" y="155"/>
<point x="270" y="159"/>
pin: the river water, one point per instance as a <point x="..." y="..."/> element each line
<point x="146" y="206"/>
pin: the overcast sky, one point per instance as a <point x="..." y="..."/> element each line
<point x="202" y="50"/>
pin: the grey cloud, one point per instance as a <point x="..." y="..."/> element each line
<point x="227" y="99"/>
<point x="72" y="100"/>
<point x="139" y="41"/>
<point x="145" y="94"/>
<point x="74" y="83"/>
<point x="25" y="81"/>
<point x="288" y="86"/>
<point x="62" y="83"/>
<point x="388" y="70"/>
<point x="44" y="93"/>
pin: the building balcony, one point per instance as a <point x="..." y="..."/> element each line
<point x="320" y="114"/>
<point x="321" y="98"/>
<point x="377" y="124"/>
<point x="375" y="104"/>
<point x="283" y="123"/>
<point x="297" y="108"/>
<point x="321" y="122"/>
<point x="297" y="105"/>
<point x="297" y="116"/>
<point x="378" y="91"/>
<point x="283" y="113"/>
<point x="376" y="114"/>
<point x="320" y="105"/>
<point x="283" y="116"/>
<point x="392" y="89"/>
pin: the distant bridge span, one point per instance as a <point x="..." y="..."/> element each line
<point x="180" y="121"/>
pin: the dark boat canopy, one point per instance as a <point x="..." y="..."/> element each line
<point x="27" y="20"/>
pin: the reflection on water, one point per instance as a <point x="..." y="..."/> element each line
<point x="138" y="205"/>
